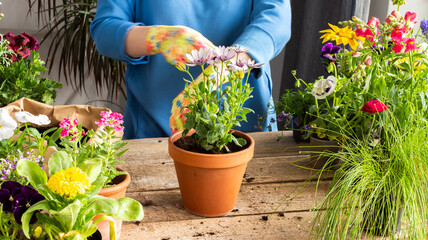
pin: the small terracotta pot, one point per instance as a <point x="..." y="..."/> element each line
<point x="117" y="191"/>
<point x="210" y="183"/>
<point x="318" y="157"/>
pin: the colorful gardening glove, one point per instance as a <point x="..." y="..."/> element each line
<point x="173" y="42"/>
<point x="177" y="119"/>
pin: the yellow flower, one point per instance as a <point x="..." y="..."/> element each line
<point x="69" y="182"/>
<point x="343" y="36"/>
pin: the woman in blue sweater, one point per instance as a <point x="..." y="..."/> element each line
<point x="137" y="32"/>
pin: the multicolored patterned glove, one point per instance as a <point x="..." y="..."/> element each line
<point x="173" y="42"/>
<point x="177" y="119"/>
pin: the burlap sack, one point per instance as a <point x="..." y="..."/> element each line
<point x="85" y="114"/>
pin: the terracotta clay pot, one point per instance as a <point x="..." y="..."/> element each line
<point x="117" y="191"/>
<point x="210" y="183"/>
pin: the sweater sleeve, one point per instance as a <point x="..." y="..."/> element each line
<point x="268" y="31"/>
<point x="111" y="24"/>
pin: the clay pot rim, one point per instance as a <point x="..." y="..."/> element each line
<point x="214" y="161"/>
<point x="116" y="188"/>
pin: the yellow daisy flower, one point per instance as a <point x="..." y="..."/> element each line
<point x="343" y="36"/>
<point x="69" y="182"/>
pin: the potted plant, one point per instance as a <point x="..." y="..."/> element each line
<point x="209" y="157"/>
<point x="104" y="146"/>
<point x="16" y="196"/>
<point x="382" y="178"/>
<point x="21" y="69"/>
<point x="71" y="199"/>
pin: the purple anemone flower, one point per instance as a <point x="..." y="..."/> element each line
<point x="23" y="200"/>
<point x="424" y="27"/>
<point x="329" y="51"/>
<point x="7" y="192"/>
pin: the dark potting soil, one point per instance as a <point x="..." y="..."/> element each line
<point x="189" y="144"/>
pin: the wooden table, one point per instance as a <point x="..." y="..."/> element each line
<point x="275" y="200"/>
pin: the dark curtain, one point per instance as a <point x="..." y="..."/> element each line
<point x="302" y="52"/>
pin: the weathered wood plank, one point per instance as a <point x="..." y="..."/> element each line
<point x="294" y="225"/>
<point x="151" y="175"/>
<point x="253" y="199"/>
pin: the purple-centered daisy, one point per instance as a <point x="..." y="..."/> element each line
<point x="329" y="51"/>
<point x="424" y="27"/>
<point x="223" y="53"/>
<point x="199" y="57"/>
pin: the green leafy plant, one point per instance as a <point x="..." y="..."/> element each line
<point x="104" y="145"/>
<point x="71" y="201"/>
<point x="216" y="98"/>
<point x="21" y="69"/>
<point x="21" y="141"/>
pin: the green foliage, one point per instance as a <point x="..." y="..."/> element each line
<point x="65" y="218"/>
<point x="215" y="111"/>
<point x="23" y="79"/>
<point x="216" y="101"/>
<point x="380" y="184"/>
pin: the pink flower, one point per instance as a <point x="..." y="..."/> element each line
<point x="374" y="106"/>
<point x="366" y="33"/>
<point x="398" y="47"/>
<point x="410" y="44"/>
<point x="373" y="22"/>
<point x="410" y="18"/>
<point x="368" y="61"/>
<point x="397" y="34"/>
<point x="111" y="119"/>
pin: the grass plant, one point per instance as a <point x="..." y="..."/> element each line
<point x="380" y="189"/>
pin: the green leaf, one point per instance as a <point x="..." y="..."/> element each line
<point x="67" y="216"/>
<point x="26" y="217"/>
<point x="59" y="161"/>
<point x="129" y="210"/>
<point x="32" y="172"/>
<point x="101" y="205"/>
<point x="92" y="167"/>
<point x="239" y="141"/>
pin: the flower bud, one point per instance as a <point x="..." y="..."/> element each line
<point x="368" y="61"/>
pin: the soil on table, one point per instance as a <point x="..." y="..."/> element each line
<point x="188" y="143"/>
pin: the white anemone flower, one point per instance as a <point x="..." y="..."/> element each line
<point x="25" y="117"/>
<point x="324" y="87"/>
<point x="7" y="124"/>
<point x="199" y="57"/>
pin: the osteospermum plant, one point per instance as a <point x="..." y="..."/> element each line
<point x="215" y="100"/>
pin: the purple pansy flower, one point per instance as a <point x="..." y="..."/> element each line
<point x="7" y="191"/>
<point x="26" y="197"/>
<point x="329" y="51"/>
